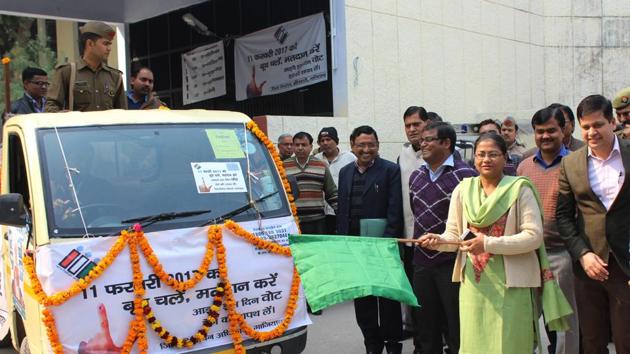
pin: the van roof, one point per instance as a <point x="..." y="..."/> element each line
<point x="119" y="116"/>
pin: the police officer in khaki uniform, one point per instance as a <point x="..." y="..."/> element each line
<point x="89" y="84"/>
<point x="621" y="104"/>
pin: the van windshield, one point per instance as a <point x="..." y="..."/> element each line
<point x="95" y="177"/>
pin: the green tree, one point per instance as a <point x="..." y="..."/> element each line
<point x="19" y="41"/>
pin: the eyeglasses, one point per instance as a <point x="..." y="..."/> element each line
<point x="429" y="139"/>
<point x="491" y="155"/>
<point x="40" y="83"/>
<point x="370" y="146"/>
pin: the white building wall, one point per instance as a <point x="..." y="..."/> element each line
<point x="473" y="59"/>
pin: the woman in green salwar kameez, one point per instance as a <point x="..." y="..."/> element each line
<point x="499" y="266"/>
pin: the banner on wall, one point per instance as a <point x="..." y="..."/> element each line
<point x="281" y="58"/>
<point x="203" y="73"/>
<point x="105" y="308"/>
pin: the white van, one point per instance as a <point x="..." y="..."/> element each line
<point x="72" y="182"/>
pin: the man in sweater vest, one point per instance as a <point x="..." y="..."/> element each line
<point x="315" y="185"/>
<point x="543" y="169"/>
<point x="430" y="189"/>
<point x="415" y="119"/>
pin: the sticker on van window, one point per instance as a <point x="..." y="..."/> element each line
<point x="225" y="144"/>
<point x="218" y="177"/>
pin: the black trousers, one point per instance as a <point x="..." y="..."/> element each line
<point x="331" y="224"/>
<point x="317" y="227"/>
<point x="380" y="321"/>
<point x="439" y="300"/>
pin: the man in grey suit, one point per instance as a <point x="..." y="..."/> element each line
<point x="595" y="182"/>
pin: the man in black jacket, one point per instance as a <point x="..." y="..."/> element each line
<point x="370" y="189"/>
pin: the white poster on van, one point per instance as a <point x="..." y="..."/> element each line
<point x="218" y="177"/>
<point x="16" y="237"/>
<point x="99" y="316"/>
<point x="203" y="73"/>
<point x="281" y="58"/>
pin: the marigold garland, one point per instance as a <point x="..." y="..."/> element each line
<point x="200" y="335"/>
<point x="270" y="246"/>
<point x="51" y="331"/>
<point x="253" y="127"/>
<point x="237" y="321"/>
<point x="158" y="269"/>
<point x="282" y="327"/>
<point x="137" y="325"/>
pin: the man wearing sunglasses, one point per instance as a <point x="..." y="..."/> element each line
<point x="35" y="82"/>
<point x="621" y="104"/>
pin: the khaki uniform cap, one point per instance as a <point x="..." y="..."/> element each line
<point x="99" y="28"/>
<point x="622" y="98"/>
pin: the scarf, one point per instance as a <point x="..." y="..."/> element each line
<point x="484" y="213"/>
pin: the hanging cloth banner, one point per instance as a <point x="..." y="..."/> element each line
<point x="203" y="73"/>
<point x="281" y="58"/>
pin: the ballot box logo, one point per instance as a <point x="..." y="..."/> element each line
<point x="281" y="34"/>
<point x="77" y="263"/>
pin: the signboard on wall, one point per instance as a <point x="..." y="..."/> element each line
<point x="203" y="73"/>
<point x="281" y="58"/>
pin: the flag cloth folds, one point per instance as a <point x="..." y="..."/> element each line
<point x="336" y="268"/>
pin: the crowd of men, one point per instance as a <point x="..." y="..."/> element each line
<point x="582" y="184"/>
<point x="584" y="194"/>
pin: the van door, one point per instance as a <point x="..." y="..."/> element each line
<point x="14" y="238"/>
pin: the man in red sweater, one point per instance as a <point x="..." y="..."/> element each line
<point x="544" y="169"/>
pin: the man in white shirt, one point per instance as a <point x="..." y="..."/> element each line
<point x="328" y="142"/>
<point x="410" y="159"/>
<point x="594" y="181"/>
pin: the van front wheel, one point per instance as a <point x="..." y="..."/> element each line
<point x="24" y="349"/>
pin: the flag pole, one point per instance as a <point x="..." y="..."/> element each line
<point x="7" y="84"/>
<point x="404" y="240"/>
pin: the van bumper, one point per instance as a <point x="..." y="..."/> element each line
<point x="292" y="342"/>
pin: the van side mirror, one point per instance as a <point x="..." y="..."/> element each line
<point x="12" y="212"/>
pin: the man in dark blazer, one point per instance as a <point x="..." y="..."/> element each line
<point x="370" y="189"/>
<point x="595" y="182"/>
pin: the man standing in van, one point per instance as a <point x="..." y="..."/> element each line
<point x="88" y="84"/>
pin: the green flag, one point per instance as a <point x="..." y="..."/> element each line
<point x="340" y="268"/>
